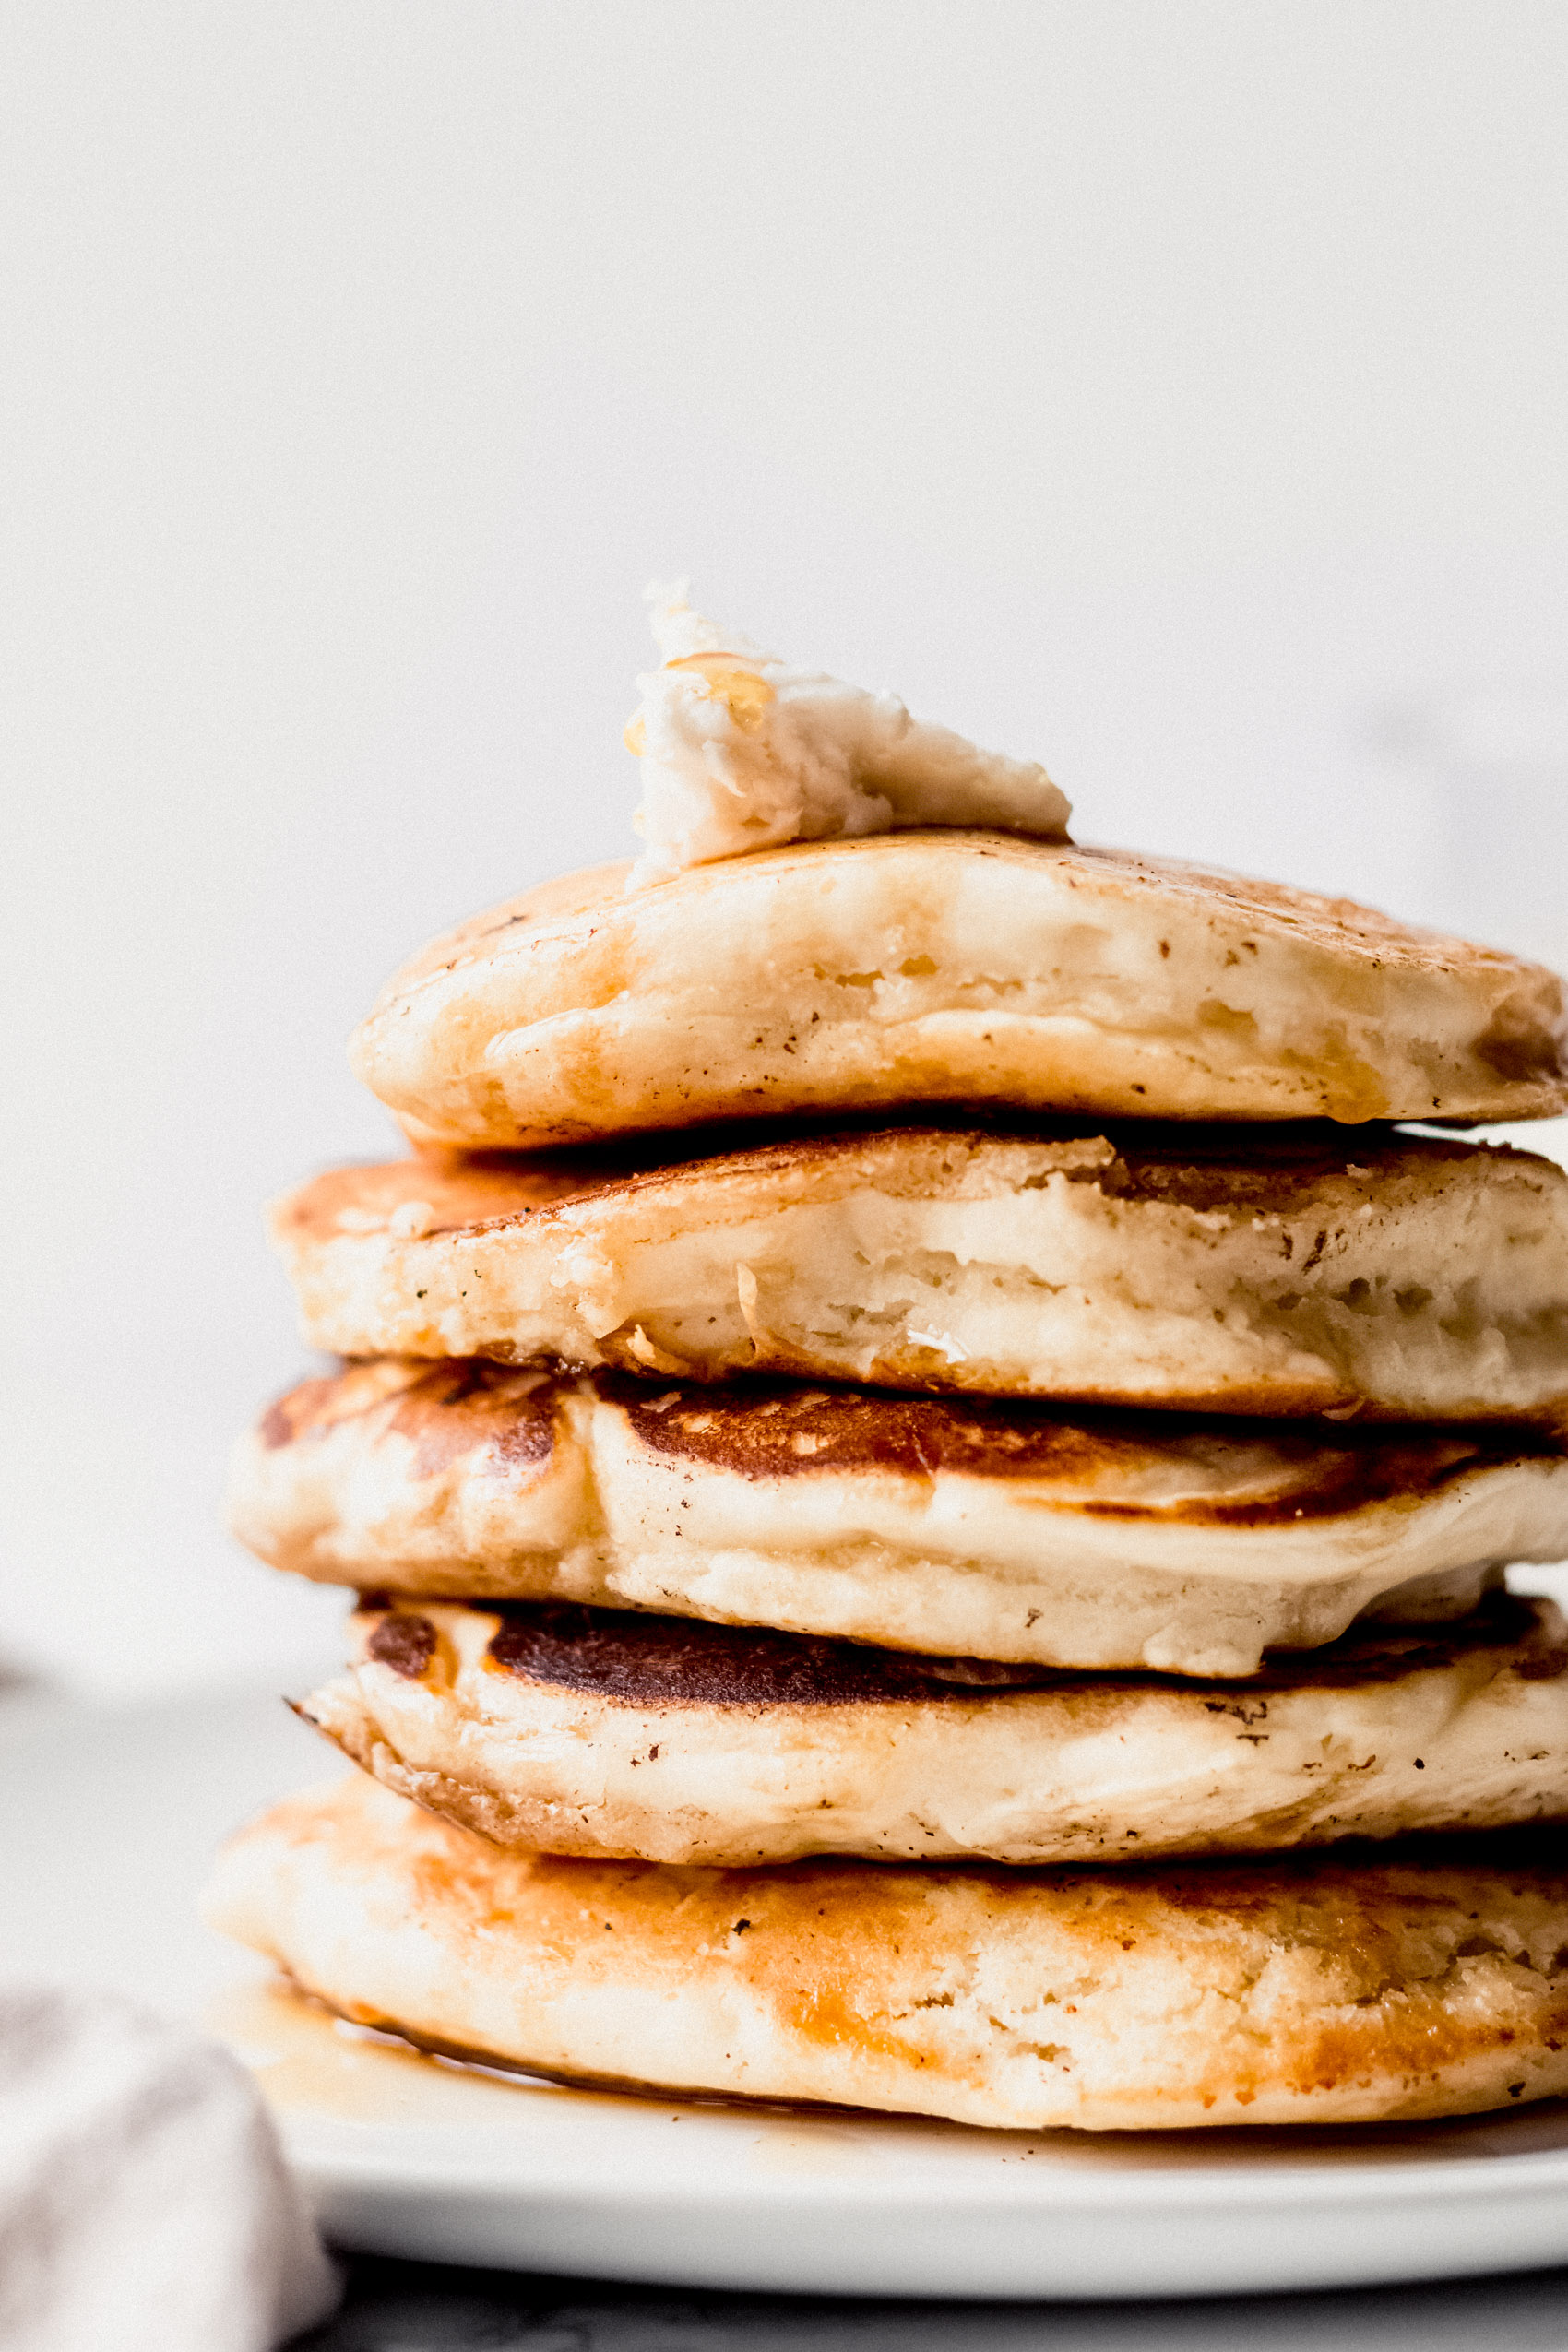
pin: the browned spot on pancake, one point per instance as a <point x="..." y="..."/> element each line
<point x="316" y="1405"/>
<point x="622" y="1654"/>
<point x="1382" y="1883"/>
<point x="447" y="1410"/>
<point x="287" y="1418"/>
<point x="466" y="1405"/>
<point x="771" y="1430"/>
<point x="1546" y="1663"/>
<point x="405" y="1643"/>
<point x="1524" y="1634"/>
<point x="1519" y="1046"/>
<point x="1253" y="1168"/>
<point x="641" y="1660"/>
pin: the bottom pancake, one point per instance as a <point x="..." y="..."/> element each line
<point x="1309" y="1989"/>
<point x="605" y="1733"/>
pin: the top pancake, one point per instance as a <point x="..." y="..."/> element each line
<point x="946" y="966"/>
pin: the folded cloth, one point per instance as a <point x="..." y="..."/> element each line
<point x="144" y="2200"/>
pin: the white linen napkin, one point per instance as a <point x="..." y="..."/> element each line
<point x="144" y="2202"/>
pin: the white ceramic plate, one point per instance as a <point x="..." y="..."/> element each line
<point x="108" y="1821"/>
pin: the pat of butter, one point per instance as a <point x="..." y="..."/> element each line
<point x="740" y="753"/>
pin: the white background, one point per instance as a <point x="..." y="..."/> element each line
<point x="1171" y="389"/>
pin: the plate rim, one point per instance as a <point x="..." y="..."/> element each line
<point x="377" y="2154"/>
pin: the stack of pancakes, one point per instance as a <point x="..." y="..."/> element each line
<point x="929" y="1470"/>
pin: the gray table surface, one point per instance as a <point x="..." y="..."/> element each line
<point x="409" y="2307"/>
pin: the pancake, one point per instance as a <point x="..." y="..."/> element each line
<point x="949" y="966"/>
<point x="1407" y="1279"/>
<point x="1343" y="1987"/>
<point x="594" y="1732"/>
<point x="993" y="1530"/>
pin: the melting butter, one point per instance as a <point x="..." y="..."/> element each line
<point x="740" y="753"/>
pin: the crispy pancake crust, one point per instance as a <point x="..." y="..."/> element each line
<point x="998" y="1529"/>
<point x="1398" y="1276"/>
<point x="1353" y="1987"/>
<point x="599" y="1733"/>
<point x="949" y="966"/>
